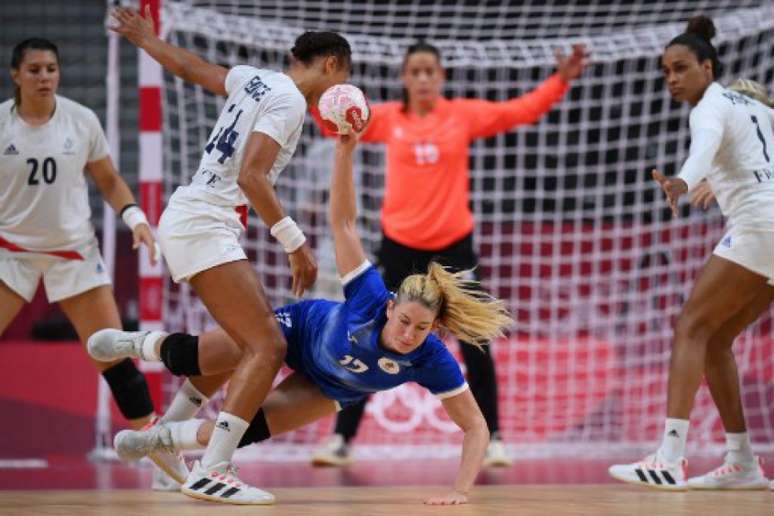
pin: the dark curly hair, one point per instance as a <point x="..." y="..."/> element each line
<point x="311" y="45"/>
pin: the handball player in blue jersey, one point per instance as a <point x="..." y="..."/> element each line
<point x="340" y="352"/>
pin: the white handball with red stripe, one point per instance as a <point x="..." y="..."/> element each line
<point x="344" y="109"/>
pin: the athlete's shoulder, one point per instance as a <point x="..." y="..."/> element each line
<point x="712" y="109"/>
<point x="6" y="110"/>
<point x="76" y="110"/>
<point x="433" y="350"/>
<point x="391" y="106"/>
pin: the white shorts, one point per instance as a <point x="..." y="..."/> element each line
<point x="753" y="250"/>
<point x="62" y="277"/>
<point x="195" y="236"/>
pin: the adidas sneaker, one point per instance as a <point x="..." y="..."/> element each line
<point x="155" y="442"/>
<point x="111" y="344"/>
<point x="652" y="471"/>
<point x="496" y="455"/>
<point x="221" y="484"/>
<point x="335" y="452"/>
<point x="732" y="476"/>
<point x="163" y="482"/>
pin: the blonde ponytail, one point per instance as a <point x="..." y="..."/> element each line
<point x="461" y="306"/>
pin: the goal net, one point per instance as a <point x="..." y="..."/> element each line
<point x="570" y="228"/>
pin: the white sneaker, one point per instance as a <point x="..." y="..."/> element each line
<point x="732" y="476"/>
<point x="771" y="485"/>
<point x="163" y="482"/>
<point x="155" y="442"/>
<point x="335" y="452"/>
<point x="652" y="471"/>
<point x="220" y="484"/>
<point x="496" y="455"/>
<point x="110" y="344"/>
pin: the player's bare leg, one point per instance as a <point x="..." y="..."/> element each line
<point x="722" y="290"/>
<point x="11" y="304"/>
<point x="234" y="297"/>
<point x="740" y="468"/>
<point x="294" y="403"/>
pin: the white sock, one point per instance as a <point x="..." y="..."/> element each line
<point x="184" y="434"/>
<point x="225" y="438"/>
<point x="739" y="449"/>
<point x="672" y="447"/>
<point x="148" y="349"/>
<point x="187" y="402"/>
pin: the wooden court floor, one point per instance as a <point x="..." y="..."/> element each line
<point x="521" y="500"/>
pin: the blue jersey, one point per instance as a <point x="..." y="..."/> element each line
<point x="337" y="345"/>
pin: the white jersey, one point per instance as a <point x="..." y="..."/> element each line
<point x="742" y="170"/>
<point x="259" y="100"/>
<point x="44" y="200"/>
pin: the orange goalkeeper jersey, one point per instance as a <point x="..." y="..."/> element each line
<point x="426" y="199"/>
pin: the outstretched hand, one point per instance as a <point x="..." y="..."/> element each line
<point x="136" y="27"/>
<point x="673" y="188"/>
<point x="572" y="66"/>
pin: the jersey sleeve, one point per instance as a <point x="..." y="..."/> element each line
<point x="441" y="374"/>
<point x="281" y="117"/>
<point x="238" y="75"/>
<point x="98" y="145"/>
<point x="486" y="118"/>
<point x="376" y="131"/>
<point x="378" y="128"/>
<point x="706" y="122"/>
<point x="364" y="290"/>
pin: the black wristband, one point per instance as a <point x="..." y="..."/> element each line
<point x="130" y="205"/>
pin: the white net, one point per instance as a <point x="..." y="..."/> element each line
<point x="570" y="228"/>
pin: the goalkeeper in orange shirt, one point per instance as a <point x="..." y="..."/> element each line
<point x="426" y="213"/>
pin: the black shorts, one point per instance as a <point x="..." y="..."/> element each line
<point x="398" y="261"/>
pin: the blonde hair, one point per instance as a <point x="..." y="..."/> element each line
<point x="460" y="305"/>
<point x="752" y="89"/>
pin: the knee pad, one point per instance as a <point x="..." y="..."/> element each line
<point x="257" y="431"/>
<point x="129" y="388"/>
<point x="180" y="353"/>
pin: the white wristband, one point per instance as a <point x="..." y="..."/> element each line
<point x="134" y="216"/>
<point x="289" y="234"/>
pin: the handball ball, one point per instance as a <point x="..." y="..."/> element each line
<point x="344" y="109"/>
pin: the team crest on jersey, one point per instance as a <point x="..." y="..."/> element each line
<point x="389" y="366"/>
<point x="11" y="151"/>
<point x="284" y="319"/>
<point x="68" y="146"/>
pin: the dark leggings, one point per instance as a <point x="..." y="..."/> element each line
<point x="398" y="261"/>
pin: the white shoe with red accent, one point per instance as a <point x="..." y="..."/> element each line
<point x="652" y="471"/>
<point x="155" y="442"/>
<point x="163" y="482"/>
<point x="732" y="476"/>
<point x="220" y="484"/>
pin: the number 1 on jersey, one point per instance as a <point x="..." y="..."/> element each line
<point x="761" y="138"/>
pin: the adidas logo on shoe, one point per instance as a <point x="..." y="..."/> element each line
<point x="11" y="151"/>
